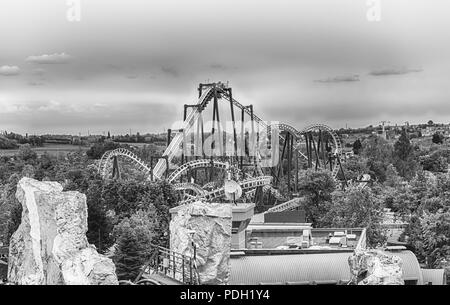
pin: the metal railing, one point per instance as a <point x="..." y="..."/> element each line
<point x="174" y="265"/>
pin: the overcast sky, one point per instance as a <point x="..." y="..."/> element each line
<point x="133" y="64"/>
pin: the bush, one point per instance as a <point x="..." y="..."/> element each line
<point x="357" y="208"/>
<point x="98" y="149"/>
<point x="134" y="236"/>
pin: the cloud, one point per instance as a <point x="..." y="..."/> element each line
<point x="38" y="71"/>
<point x="133" y="76"/>
<point x="339" y="79"/>
<point x="53" y="106"/>
<point x="50" y="106"/>
<point x="170" y="70"/>
<point x="218" y="67"/>
<point x="8" y="108"/>
<point x="100" y="105"/>
<point x="394" y="71"/>
<point x="9" y="70"/>
<point x="62" y="58"/>
<point x="34" y="83"/>
<point x="114" y="67"/>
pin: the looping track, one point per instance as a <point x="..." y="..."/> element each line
<point x="245" y="185"/>
<point x="104" y="165"/>
<point x="311" y="128"/>
<point x="192" y="115"/>
<point x="196" y="164"/>
<point x="197" y="189"/>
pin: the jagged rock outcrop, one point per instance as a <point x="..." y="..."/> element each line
<point x="210" y="226"/>
<point x="375" y="267"/>
<point x="50" y="246"/>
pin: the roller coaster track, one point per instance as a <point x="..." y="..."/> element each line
<point x="288" y="205"/>
<point x="191" y="118"/>
<point x="266" y="188"/>
<point x="103" y="169"/>
<point x="245" y="185"/>
<point x="297" y="134"/>
<point x="196" y="164"/>
<point x="190" y="186"/>
<point x="174" y="145"/>
<point x="209" y="185"/>
<point x="337" y="143"/>
<point x="104" y="164"/>
<point x="194" y="114"/>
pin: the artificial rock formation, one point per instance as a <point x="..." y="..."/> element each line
<point x="375" y="267"/>
<point x="209" y="226"/>
<point x="50" y="246"/>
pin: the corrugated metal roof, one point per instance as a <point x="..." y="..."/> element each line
<point x="435" y="276"/>
<point x="253" y="270"/>
<point x="411" y="267"/>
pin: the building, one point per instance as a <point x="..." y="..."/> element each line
<point x="434" y="277"/>
<point x="311" y="269"/>
<point x="297" y="254"/>
<point x="431" y="130"/>
<point x="272" y="251"/>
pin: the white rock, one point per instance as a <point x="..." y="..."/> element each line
<point x="375" y="267"/>
<point x="211" y="223"/>
<point x="50" y="246"/>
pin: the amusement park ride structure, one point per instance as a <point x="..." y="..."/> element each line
<point x="316" y="147"/>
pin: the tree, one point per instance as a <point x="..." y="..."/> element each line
<point x="429" y="236"/>
<point x="354" y="168"/>
<point x="128" y="256"/>
<point x="357" y="208"/>
<point x="404" y="157"/>
<point x="6" y="143"/>
<point x="434" y="163"/>
<point x="425" y="205"/>
<point x="403" y="148"/>
<point x="430" y="123"/>
<point x="100" y="221"/>
<point x="379" y="155"/>
<point x="26" y="153"/>
<point x="317" y="187"/>
<point x="11" y="207"/>
<point x="134" y="236"/>
<point x="161" y="197"/>
<point x="437" y="138"/>
<point x="357" y="147"/>
<point x="392" y="177"/>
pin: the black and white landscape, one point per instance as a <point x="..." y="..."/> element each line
<point x="224" y="142"/>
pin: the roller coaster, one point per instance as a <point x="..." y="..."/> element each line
<point x="315" y="147"/>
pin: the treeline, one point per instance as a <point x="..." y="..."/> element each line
<point x="374" y="155"/>
<point x="11" y="140"/>
<point x="414" y="182"/>
<point x="138" y="138"/>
